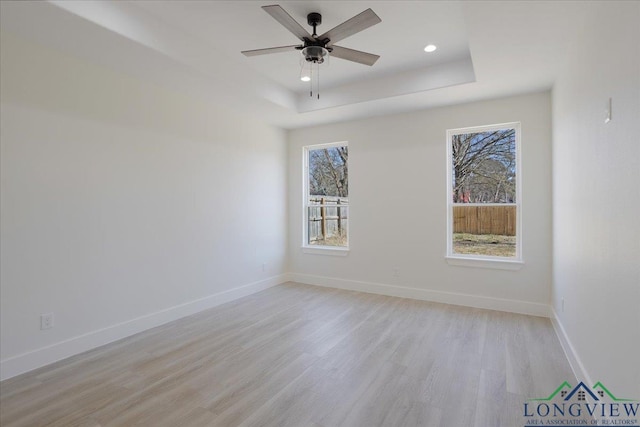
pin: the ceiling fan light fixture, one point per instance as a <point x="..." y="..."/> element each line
<point x="315" y="54"/>
<point x="305" y="78"/>
<point x="430" y="48"/>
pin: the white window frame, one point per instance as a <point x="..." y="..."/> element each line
<point x="470" y="260"/>
<point x="306" y="247"/>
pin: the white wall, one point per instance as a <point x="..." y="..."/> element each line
<point x="596" y="199"/>
<point x="397" y="165"/>
<point x="123" y="202"/>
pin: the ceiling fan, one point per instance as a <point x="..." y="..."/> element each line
<point x="315" y="47"/>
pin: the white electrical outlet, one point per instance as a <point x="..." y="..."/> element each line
<point x="46" y="321"/>
<point x="264" y="267"/>
<point x="396" y="272"/>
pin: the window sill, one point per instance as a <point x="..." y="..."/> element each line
<point x="497" y="264"/>
<point x="325" y="250"/>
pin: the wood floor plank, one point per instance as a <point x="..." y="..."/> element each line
<point x="298" y="355"/>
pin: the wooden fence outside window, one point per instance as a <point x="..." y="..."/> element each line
<point x="328" y="217"/>
<point x="499" y="220"/>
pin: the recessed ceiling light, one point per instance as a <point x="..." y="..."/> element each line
<point x="305" y="78"/>
<point x="430" y="48"/>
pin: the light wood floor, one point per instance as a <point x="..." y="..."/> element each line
<point x="302" y="356"/>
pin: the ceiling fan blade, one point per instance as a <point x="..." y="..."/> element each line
<point x="354" y="25"/>
<point x="281" y="15"/>
<point x="354" y="55"/>
<point x="278" y="49"/>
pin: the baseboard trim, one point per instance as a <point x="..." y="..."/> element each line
<point x="31" y="360"/>
<point x="577" y="367"/>
<point x="490" y="303"/>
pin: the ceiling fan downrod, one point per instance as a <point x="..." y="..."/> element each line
<point x="314" y="19"/>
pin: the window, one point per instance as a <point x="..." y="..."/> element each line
<point x="326" y="196"/>
<point x="483" y="193"/>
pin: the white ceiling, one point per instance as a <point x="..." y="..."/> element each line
<point x="241" y="25"/>
<point x="485" y="50"/>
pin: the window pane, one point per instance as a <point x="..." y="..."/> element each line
<point x="328" y="197"/>
<point x="484" y="230"/>
<point x="484" y="167"/>
<point x="484" y="199"/>
<point x="329" y="172"/>
<point x="328" y="224"/>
